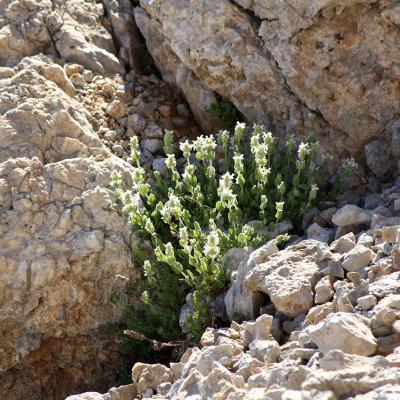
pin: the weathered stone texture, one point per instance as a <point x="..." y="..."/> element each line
<point x="326" y="66"/>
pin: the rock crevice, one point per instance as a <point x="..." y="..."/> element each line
<point x="325" y="66"/>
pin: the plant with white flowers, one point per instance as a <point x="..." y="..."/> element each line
<point x="204" y="208"/>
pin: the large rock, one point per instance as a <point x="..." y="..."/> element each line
<point x="260" y="60"/>
<point x="349" y="215"/>
<point x="288" y="278"/>
<point x="357" y="258"/>
<point x="64" y="248"/>
<point x="354" y="381"/>
<point x="126" y="33"/>
<point x="31" y="27"/>
<point x="344" y="331"/>
<point x="177" y="73"/>
<point x="240" y="304"/>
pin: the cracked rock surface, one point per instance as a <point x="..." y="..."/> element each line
<point x="70" y="99"/>
<point x="326" y="66"/>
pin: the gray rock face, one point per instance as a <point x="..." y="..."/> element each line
<point x="240" y="303"/>
<point x="377" y="158"/>
<point x="261" y="62"/>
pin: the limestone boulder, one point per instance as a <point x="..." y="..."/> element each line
<point x="174" y="71"/>
<point x="28" y="28"/>
<point x="344" y="331"/>
<point x="288" y="278"/>
<point x="357" y="258"/>
<point x="64" y="247"/>
<point x="257" y="55"/>
<point x="349" y="215"/>
<point x="146" y="376"/>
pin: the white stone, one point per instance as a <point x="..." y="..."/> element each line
<point x="367" y="302"/>
<point x="357" y="258"/>
<point x="344" y="243"/>
<point x="350" y="214"/>
<point x="264" y="350"/>
<point x="343" y="331"/>
<point x="288" y="278"/>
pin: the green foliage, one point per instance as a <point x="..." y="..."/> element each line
<point x="223" y="112"/>
<point x="198" y="213"/>
<point x="346" y="170"/>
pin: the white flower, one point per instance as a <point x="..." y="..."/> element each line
<point x="169" y="251"/>
<point x="172" y="208"/>
<point x="135" y="153"/>
<point x="238" y="163"/>
<point x="226" y="181"/>
<point x="263" y="174"/>
<point x="260" y="155"/>
<point x="258" y="129"/>
<point x="116" y="179"/>
<point x="148" y="271"/>
<point x="188" y="174"/>
<point x="268" y="139"/>
<point x="138" y="175"/>
<point x="227" y="197"/>
<point x="263" y="202"/>
<point x="183" y="236"/>
<point x="240" y="132"/>
<point x="281" y="188"/>
<point x="148" y="226"/>
<point x="313" y="192"/>
<point x="303" y="151"/>
<point x="186" y="149"/>
<point x="279" y="209"/>
<point x="210" y="172"/>
<point x="205" y="148"/>
<point x="170" y="161"/>
<point x="134" y="142"/>
<point x="224" y="139"/>
<point x="211" y="249"/>
<point x="254" y="142"/>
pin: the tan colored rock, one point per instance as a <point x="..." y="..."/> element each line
<point x="389" y="233"/>
<point x="344" y="243"/>
<point x="302" y="91"/>
<point x="64" y="248"/>
<point x="367" y="302"/>
<point x="264" y="350"/>
<point x="117" y="109"/>
<point x="73" y="46"/>
<point x="357" y="258"/>
<point x="150" y="376"/>
<point x="29" y="28"/>
<point x="288" y="278"/>
<point x="343" y="331"/>
<point x="323" y="291"/>
<point x="6" y="72"/>
<point x="319" y="312"/>
<point x="176" y="72"/>
<point x="351" y="382"/>
<point x="350" y="214"/>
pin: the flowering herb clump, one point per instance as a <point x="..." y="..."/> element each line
<point x="203" y="209"/>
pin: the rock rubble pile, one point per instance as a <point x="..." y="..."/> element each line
<point x="315" y="320"/>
